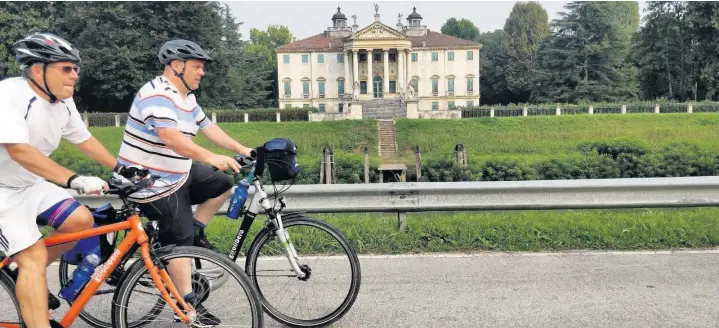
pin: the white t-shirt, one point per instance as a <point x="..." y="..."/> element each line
<point x="27" y="118"/>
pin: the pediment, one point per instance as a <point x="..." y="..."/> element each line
<point x="377" y="31"/>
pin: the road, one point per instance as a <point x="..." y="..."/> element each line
<point x="573" y="289"/>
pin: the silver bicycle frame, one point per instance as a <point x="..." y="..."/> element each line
<point x="259" y="202"/>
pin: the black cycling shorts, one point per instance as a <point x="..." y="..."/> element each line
<point x="174" y="212"/>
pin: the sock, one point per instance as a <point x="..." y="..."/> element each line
<point x="189" y="296"/>
<point x="199" y="226"/>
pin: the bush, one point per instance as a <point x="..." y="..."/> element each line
<point x="591" y="166"/>
<point x="613" y="149"/>
<point x="507" y="170"/>
<point x="447" y="170"/>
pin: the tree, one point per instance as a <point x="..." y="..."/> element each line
<point x="663" y="53"/>
<point x="526" y="27"/>
<point x="463" y="29"/>
<point x="586" y="57"/>
<point x="702" y="21"/>
<point x="493" y="89"/>
<point x="18" y="20"/>
<point x="262" y="46"/>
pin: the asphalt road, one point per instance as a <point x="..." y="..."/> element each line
<point x="576" y="289"/>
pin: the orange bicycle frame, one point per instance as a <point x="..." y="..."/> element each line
<point x="136" y="235"/>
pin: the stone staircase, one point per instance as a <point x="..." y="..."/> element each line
<point x="383" y="109"/>
<point x="387" y="139"/>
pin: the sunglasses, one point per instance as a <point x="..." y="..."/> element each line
<point x="69" y="69"/>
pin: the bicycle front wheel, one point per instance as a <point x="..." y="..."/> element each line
<point x="236" y="304"/>
<point x="324" y="254"/>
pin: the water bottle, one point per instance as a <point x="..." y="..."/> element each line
<point x="80" y="276"/>
<point x="238" y="199"/>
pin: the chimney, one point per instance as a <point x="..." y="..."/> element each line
<point x="424" y="43"/>
<point x="355" y="27"/>
<point x="376" y="17"/>
<point x="330" y="45"/>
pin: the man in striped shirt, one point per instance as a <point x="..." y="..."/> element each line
<point x="162" y="121"/>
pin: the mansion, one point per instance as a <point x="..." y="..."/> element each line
<point x="379" y="70"/>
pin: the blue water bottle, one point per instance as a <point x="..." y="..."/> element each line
<point x="80" y="276"/>
<point x="238" y="199"/>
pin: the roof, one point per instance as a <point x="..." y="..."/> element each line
<point x="414" y="14"/>
<point x="314" y="43"/>
<point x="321" y="42"/>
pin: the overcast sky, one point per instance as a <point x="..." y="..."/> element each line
<point x="308" y="18"/>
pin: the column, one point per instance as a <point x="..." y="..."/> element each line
<point x="385" y="78"/>
<point x="355" y="73"/>
<point x="347" y="70"/>
<point x="400" y="70"/>
<point x="370" y="82"/>
<point x="408" y="73"/>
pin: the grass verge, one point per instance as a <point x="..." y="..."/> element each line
<point x="632" y="229"/>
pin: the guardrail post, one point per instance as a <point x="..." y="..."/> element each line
<point x="86" y="119"/>
<point x="461" y="154"/>
<point x="366" y="165"/>
<point x="117" y="120"/>
<point x="247" y="117"/>
<point x="525" y="111"/>
<point x="402" y="221"/>
<point x="591" y="110"/>
<point x="277" y="114"/>
<point x="624" y="109"/>
<point x="214" y="117"/>
<point x="418" y="158"/>
<point x="491" y="112"/>
<point x="326" y="173"/>
<point x="559" y="110"/>
<point x="690" y="108"/>
<point x="656" y="108"/>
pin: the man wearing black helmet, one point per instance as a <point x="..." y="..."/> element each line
<point x="162" y="121"/>
<point x="38" y="112"/>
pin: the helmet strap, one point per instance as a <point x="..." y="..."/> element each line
<point x="181" y="75"/>
<point x="45" y="90"/>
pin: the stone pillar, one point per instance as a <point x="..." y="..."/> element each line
<point x="400" y="70"/>
<point x="347" y="69"/>
<point x="355" y="72"/>
<point x="385" y="78"/>
<point x="408" y="73"/>
<point x="370" y="82"/>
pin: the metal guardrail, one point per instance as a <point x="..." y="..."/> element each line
<point x="503" y="195"/>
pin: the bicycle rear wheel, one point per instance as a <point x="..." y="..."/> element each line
<point x="324" y="255"/>
<point x="133" y="297"/>
<point x="10" y="316"/>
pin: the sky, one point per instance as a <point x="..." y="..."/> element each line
<point x="308" y="18"/>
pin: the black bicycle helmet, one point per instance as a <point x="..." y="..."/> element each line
<point x="44" y="48"/>
<point x="181" y="50"/>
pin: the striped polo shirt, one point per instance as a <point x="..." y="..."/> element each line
<point x="159" y="105"/>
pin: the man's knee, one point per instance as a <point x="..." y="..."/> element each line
<point x="33" y="258"/>
<point x="80" y="219"/>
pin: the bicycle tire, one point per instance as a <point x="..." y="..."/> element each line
<point x="137" y="270"/>
<point x="8" y="284"/>
<point x="250" y="267"/>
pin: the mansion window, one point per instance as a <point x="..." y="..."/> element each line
<point x="363" y="87"/>
<point x="322" y="108"/>
<point x="414" y="57"/>
<point x="362" y="58"/>
<point x="288" y="88"/>
<point x="305" y="59"/>
<point x="286" y="59"/>
<point x="435" y="87"/>
<point x="340" y="86"/>
<point x="340" y="58"/>
<point x="321" y="59"/>
<point x="450" y="56"/>
<point x="392" y="86"/>
<point x="377" y="58"/>
<point x="435" y="105"/>
<point x="435" y="56"/>
<point x="470" y="55"/>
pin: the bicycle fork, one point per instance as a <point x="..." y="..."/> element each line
<point x="290" y="251"/>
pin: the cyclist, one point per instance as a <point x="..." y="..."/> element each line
<point x="162" y="121"/>
<point x="39" y="111"/>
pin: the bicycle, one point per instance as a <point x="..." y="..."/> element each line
<point x="153" y="262"/>
<point x="275" y="228"/>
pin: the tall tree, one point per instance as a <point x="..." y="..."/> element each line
<point x="703" y="21"/>
<point x="463" y="29"/>
<point x="493" y="89"/>
<point x="663" y="52"/>
<point x="263" y="45"/>
<point x="586" y="58"/>
<point x="526" y="27"/>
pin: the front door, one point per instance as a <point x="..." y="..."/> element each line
<point x="377" y="87"/>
